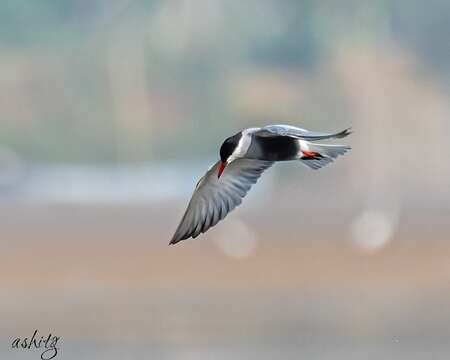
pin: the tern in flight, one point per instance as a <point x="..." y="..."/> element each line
<point x="243" y="158"/>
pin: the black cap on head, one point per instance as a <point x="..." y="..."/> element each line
<point x="228" y="146"/>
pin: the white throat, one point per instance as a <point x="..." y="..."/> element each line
<point x="243" y="144"/>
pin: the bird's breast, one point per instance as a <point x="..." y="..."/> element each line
<point x="276" y="148"/>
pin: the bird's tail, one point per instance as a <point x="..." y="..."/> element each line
<point x="316" y="156"/>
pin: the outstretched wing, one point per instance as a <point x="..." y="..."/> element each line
<point x="295" y="132"/>
<point x="215" y="197"/>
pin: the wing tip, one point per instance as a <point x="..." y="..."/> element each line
<point x="176" y="239"/>
<point x="180" y="237"/>
<point x="344" y="133"/>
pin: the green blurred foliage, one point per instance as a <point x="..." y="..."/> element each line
<point x="80" y="115"/>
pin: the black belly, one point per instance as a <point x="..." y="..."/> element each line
<point x="273" y="148"/>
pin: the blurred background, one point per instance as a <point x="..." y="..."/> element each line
<point x="111" y="110"/>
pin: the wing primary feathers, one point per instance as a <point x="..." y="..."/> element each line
<point x="214" y="198"/>
<point x="292" y="131"/>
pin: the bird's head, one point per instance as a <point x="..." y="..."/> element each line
<point x="228" y="152"/>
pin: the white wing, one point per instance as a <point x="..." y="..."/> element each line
<point x="215" y="197"/>
<point x="292" y="131"/>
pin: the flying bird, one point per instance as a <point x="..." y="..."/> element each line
<point x="243" y="158"/>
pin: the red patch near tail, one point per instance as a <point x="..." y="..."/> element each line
<point x="311" y="155"/>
